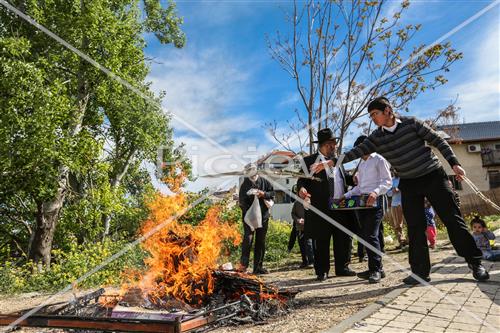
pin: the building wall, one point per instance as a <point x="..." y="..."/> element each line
<point x="472" y="164"/>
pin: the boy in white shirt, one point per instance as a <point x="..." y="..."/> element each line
<point x="374" y="180"/>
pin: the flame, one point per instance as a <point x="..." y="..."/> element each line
<point x="182" y="257"/>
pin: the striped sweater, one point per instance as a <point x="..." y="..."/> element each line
<point x="406" y="148"/>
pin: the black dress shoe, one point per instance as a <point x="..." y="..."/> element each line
<point x="479" y="272"/>
<point x="322" y="277"/>
<point x="260" y="270"/>
<point x="375" y="277"/>
<point x="411" y="281"/>
<point x="366" y="275"/>
<point x="346" y="272"/>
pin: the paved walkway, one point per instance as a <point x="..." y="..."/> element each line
<point x="453" y="303"/>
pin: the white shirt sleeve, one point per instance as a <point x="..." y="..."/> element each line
<point x="354" y="191"/>
<point x="384" y="171"/>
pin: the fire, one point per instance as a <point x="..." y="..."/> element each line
<point x="182" y="257"/>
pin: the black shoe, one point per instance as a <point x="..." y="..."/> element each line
<point x="374" y="277"/>
<point x="479" y="272"/>
<point x="346" y="272"/>
<point x="322" y="277"/>
<point x="411" y="281"/>
<point x="366" y="275"/>
<point x="260" y="270"/>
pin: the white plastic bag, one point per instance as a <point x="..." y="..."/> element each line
<point x="253" y="216"/>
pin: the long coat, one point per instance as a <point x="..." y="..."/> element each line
<point x="246" y="200"/>
<point x="315" y="226"/>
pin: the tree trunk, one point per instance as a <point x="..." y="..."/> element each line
<point x="115" y="182"/>
<point x="46" y="221"/>
<point x="48" y="211"/>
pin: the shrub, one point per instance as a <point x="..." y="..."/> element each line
<point x="68" y="266"/>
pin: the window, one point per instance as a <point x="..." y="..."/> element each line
<point x="281" y="197"/>
<point x="455" y="183"/>
<point x="494" y="177"/>
<point x="497" y="146"/>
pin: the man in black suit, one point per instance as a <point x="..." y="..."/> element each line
<point x="333" y="183"/>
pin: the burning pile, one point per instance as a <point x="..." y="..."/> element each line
<point x="182" y="288"/>
<point x="182" y="269"/>
<point x="182" y="257"/>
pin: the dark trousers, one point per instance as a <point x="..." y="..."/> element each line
<point x="306" y="248"/>
<point x="260" y="244"/>
<point x="342" y="244"/>
<point x="292" y="238"/>
<point x="361" y="247"/>
<point x="370" y="222"/>
<point x="435" y="187"/>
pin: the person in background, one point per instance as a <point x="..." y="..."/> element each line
<point x="396" y="218"/>
<point x="305" y="244"/>
<point x="292" y="238"/>
<point x="374" y="180"/>
<point x="482" y="236"/>
<point x="431" y="230"/>
<point x="264" y="191"/>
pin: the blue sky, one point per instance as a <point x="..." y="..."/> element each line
<point x="225" y="83"/>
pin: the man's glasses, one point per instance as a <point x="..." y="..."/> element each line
<point x="373" y="114"/>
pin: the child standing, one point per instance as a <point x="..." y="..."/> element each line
<point x="482" y="236"/>
<point x="431" y="230"/>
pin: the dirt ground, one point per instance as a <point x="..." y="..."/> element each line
<point x="319" y="305"/>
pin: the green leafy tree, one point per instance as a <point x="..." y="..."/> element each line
<point x="58" y="110"/>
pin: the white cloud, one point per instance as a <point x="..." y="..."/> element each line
<point x="208" y="89"/>
<point x="203" y="88"/>
<point x="209" y="159"/>
<point x="479" y="87"/>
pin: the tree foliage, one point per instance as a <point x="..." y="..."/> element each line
<point x="74" y="139"/>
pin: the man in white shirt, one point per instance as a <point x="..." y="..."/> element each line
<point x="374" y="180"/>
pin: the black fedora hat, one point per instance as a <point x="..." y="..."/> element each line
<point x="325" y="134"/>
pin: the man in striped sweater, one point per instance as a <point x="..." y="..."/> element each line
<point x="403" y="141"/>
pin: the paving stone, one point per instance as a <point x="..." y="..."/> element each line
<point x="400" y="324"/>
<point x="383" y="316"/>
<point x="394" y="312"/>
<point x="376" y="321"/>
<point x="367" y="328"/>
<point x="410" y="318"/>
<point x="465" y="327"/>
<point x="447" y="307"/>
<point x="417" y="310"/>
<point x="387" y="329"/>
<point x="493" y="319"/>
<point x="443" y="313"/>
<point x="486" y="329"/>
<point x="427" y="328"/>
<point x="463" y="313"/>
<point x="452" y="299"/>
<point x="435" y="322"/>
<point x="468" y="319"/>
<point x="475" y="309"/>
<point x="494" y="309"/>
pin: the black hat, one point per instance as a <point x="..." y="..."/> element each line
<point x="325" y="134"/>
<point x="359" y="140"/>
